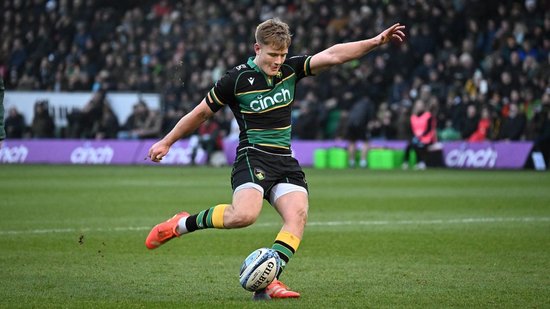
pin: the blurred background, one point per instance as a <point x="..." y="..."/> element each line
<point x="467" y="60"/>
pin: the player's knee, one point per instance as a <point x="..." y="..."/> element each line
<point x="238" y="217"/>
<point x="301" y="213"/>
<point x="298" y="217"/>
<point x="244" y="219"/>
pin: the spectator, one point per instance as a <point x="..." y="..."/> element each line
<point x="42" y="123"/>
<point x="135" y="121"/>
<point x="513" y="126"/>
<point x="171" y="117"/>
<point x="382" y="127"/>
<point x="448" y="133"/>
<point x="424" y="134"/>
<point x="470" y="123"/>
<point x="142" y="123"/>
<point x="357" y="132"/>
<point x="307" y="121"/>
<point x="107" y="126"/>
<point x="152" y="126"/>
<point x="210" y="139"/>
<point x="144" y="46"/>
<point x="82" y="121"/>
<point x="483" y="127"/>
<point x="14" y="124"/>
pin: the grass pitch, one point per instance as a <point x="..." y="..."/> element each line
<point x="73" y="237"/>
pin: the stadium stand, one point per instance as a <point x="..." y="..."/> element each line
<point x="494" y="55"/>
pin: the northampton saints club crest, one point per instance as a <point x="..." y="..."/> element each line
<point x="259" y="174"/>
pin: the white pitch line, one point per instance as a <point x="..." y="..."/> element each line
<point x="315" y="223"/>
<point x="438" y="221"/>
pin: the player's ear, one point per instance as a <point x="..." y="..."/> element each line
<point x="257" y="48"/>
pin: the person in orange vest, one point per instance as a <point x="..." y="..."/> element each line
<point x="423" y="127"/>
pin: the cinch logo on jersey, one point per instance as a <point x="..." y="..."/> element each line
<point x="265" y="102"/>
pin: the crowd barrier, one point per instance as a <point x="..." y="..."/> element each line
<point x="484" y="155"/>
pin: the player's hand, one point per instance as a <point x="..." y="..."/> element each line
<point x="394" y="32"/>
<point x="158" y="151"/>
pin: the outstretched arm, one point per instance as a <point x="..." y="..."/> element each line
<point x="344" y="52"/>
<point x="185" y="126"/>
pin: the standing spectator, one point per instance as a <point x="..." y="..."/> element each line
<point x="356" y="131"/>
<point x="403" y="123"/>
<point x="424" y="134"/>
<point x="42" y="123"/>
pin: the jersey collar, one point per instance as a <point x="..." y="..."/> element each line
<point x="253" y="65"/>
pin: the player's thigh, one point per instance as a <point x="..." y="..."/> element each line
<point x="293" y="209"/>
<point x="246" y="205"/>
<point x="293" y="205"/>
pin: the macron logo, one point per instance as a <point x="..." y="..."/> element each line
<point x="251" y="80"/>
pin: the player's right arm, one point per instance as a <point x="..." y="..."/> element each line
<point x="185" y="126"/>
<point x="220" y="95"/>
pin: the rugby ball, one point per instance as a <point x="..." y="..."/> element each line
<point x="259" y="269"/>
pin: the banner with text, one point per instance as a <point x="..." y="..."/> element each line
<point x="485" y="155"/>
<point x="497" y="155"/>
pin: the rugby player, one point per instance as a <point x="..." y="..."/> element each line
<point x="260" y="93"/>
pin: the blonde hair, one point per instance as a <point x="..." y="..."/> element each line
<point x="273" y="32"/>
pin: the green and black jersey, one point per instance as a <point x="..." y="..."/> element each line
<point x="261" y="104"/>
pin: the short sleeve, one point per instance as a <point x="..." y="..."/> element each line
<point x="222" y="93"/>
<point x="300" y="65"/>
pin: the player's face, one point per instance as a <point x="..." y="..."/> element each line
<point x="270" y="59"/>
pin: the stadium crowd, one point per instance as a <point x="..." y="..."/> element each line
<point x="470" y="61"/>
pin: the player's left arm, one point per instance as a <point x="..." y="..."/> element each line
<point x="344" y="52"/>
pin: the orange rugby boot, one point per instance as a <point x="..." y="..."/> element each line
<point x="164" y="231"/>
<point x="275" y="289"/>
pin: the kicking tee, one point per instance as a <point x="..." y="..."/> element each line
<point x="262" y="104"/>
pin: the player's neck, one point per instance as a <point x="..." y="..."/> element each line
<point x="257" y="63"/>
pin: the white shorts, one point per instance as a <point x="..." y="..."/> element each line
<point x="277" y="191"/>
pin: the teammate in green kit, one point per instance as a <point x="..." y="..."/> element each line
<point x="260" y="93"/>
